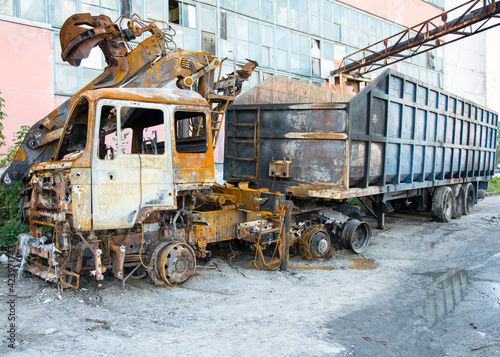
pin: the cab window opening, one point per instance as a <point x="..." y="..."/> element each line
<point x="190" y="132"/>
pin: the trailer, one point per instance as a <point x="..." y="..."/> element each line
<point x="397" y="143"/>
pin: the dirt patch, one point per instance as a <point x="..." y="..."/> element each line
<point x="362" y="264"/>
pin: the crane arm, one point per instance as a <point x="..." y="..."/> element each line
<point x="473" y="17"/>
<point x="150" y="64"/>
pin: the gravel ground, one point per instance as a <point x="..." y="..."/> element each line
<point x="421" y="289"/>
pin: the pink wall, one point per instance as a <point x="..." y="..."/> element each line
<point x="27" y="78"/>
<point x="404" y="12"/>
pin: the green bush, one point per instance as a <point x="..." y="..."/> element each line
<point x="9" y="232"/>
<point x="494" y="185"/>
<point x="10" y="209"/>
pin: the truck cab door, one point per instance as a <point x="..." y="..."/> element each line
<point x="116" y="177"/>
<point x="153" y="143"/>
<point x="133" y="163"/>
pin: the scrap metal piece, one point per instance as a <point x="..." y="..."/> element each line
<point x="102" y="324"/>
<point x="280" y="169"/>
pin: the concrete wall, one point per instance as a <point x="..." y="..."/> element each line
<point x="27" y="76"/>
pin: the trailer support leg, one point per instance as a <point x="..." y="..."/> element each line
<point x="380" y="220"/>
<point x="286" y="244"/>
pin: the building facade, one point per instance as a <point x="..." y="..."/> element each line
<point x="299" y="39"/>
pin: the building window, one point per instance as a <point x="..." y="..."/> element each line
<point x="267" y="46"/>
<point x="227" y="34"/>
<point x="35" y="10"/>
<point x="155" y="10"/>
<point x="315" y="57"/>
<point x="315" y="17"/>
<point x="98" y="7"/>
<point x="267" y="13"/>
<point x="188" y="16"/>
<point x="63" y="9"/>
<point x="337" y="21"/>
<point x="282" y="48"/>
<point x="7" y="7"/>
<point x="208" y="42"/>
<point x="281" y="12"/>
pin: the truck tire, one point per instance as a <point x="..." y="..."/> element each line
<point x="356" y="236"/>
<point x="442" y="204"/>
<point x="469" y="198"/>
<point x="459" y="197"/>
<point x="350" y="211"/>
<point x="315" y="243"/>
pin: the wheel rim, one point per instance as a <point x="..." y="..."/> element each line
<point x="448" y="205"/>
<point x="356" y="236"/>
<point x="470" y="199"/>
<point x="320" y="243"/>
<point x="176" y="263"/>
<point x="315" y="243"/>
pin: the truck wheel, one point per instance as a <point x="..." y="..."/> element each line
<point x="175" y="263"/>
<point x="356" y="236"/>
<point x="442" y="204"/>
<point x="469" y="198"/>
<point x="458" y="204"/>
<point x="315" y="243"/>
<point x="350" y="211"/>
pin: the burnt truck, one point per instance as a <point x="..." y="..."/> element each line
<point x="121" y="177"/>
<point x="398" y="143"/>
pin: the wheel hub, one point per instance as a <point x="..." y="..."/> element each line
<point x="175" y="263"/>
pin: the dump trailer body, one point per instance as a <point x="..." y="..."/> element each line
<point x="397" y="134"/>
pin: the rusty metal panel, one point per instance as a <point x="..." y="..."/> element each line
<point x="397" y="132"/>
<point x="280" y="90"/>
<point x="222" y="225"/>
<point x="81" y="198"/>
<point x="157" y="188"/>
<point x="116" y="192"/>
<point x="311" y="137"/>
<point x="193" y="170"/>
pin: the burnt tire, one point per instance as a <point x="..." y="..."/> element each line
<point x="442" y="204"/>
<point x="315" y="243"/>
<point x="458" y="204"/>
<point x="469" y="196"/>
<point x="350" y="211"/>
<point x="356" y="236"/>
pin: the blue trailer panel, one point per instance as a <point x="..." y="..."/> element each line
<point x="397" y="134"/>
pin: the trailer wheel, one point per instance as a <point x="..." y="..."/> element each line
<point x="356" y="236"/>
<point x="175" y="263"/>
<point x="469" y="198"/>
<point x="350" y="211"/>
<point x="315" y="243"/>
<point x="458" y="204"/>
<point x="442" y="204"/>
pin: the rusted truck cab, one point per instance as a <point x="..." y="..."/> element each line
<point x="124" y="152"/>
<point x="125" y="157"/>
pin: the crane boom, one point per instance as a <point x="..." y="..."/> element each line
<point x="149" y="65"/>
<point x="421" y="38"/>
